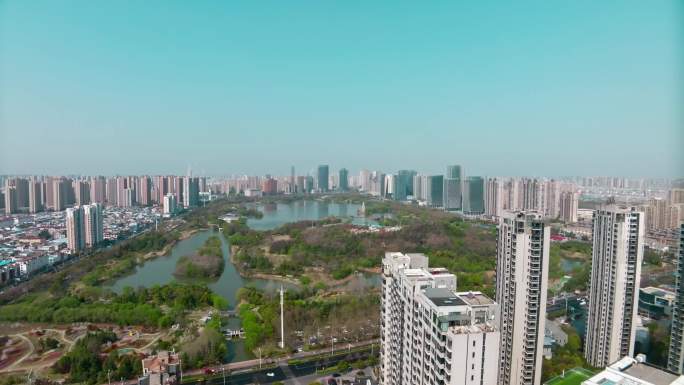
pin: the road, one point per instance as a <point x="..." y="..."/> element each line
<point x="236" y="366"/>
<point x="282" y="372"/>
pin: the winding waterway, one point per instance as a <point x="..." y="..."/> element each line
<point x="159" y="271"/>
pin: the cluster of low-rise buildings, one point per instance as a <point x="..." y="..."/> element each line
<point x="31" y="243"/>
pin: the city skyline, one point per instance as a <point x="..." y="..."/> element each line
<point x="358" y="87"/>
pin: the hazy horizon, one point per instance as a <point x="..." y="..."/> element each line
<point x="541" y="89"/>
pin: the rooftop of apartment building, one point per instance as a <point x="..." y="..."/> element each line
<point x="631" y="371"/>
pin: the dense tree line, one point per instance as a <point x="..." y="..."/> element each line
<point x="132" y="307"/>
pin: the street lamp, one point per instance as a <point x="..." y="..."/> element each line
<point x="223" y="369"/>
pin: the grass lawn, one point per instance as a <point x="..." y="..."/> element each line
<point x="572" y="377"/>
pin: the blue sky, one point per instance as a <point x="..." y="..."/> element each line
<point x="504" y="88"/>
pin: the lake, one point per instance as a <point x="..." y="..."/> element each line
<point x="278" y="214"/>
<point x="159" y="271"/>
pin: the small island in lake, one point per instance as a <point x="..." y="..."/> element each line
<point x="207" y="262"/>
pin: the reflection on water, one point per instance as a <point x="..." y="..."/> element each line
<point x="305" y="210"/>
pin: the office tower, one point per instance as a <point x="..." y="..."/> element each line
<point x="10" y="199"/>
<point x="568" y="206"/>
<point x="74" y="226"/>
<point x="309" y="184"/>
<point x="93" y="228"/>
<point x="402" y="184"/>
<point x="430" y="333"/>
<point x="322" y="178"/>
<point x="521" y="283"/>
<point x="473" y="197"/>
<point x="145" y="191"/>
<point x="203" y="184"/>
<point x="418" y="187"/>
<point x="389" y="186"/>
<point x="453" y="188"/>
<point x="170" y="204"/>
<point x="617" y="252"/>
<point x="2" y="201"/>
<point x="35" y="196"/>
<point x="675" y="361"/>
<point x="435" y="190"/>
<point x="81" y="192"/>
<point x="344" y="180"/>
<point x="190" y="197"/>
<point x="98" y="189"/>
<point x="494" y="197"/>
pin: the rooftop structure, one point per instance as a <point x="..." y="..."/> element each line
<point x="630" y="371"/>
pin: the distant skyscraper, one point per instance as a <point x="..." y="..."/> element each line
<point x="403" y="184"/>
<point x="98" y="189"/>
<point x="430" y="333"/>
<point x="59" y="189"/>
<point x="112" y="189"/>
<point x="675" y="361"/>
<point x="344" y="180"/>
<point x="494" y="197"/>
<point x="145" y="191"/>
<point x="473" y="197"/>
<point x="569" y="201"/>
<point x="322" y="178"/>
<point x="35" y="196"/>
<point x="377" y="184"/>
<point x="191" y="192"/>
<point x="81" y="191"/>
<point x="74" y="227"/>
<point x="270" y="186"/>
<point x="435" y="193"/>
<point x="418" y="188"/>
<point x="365" y="180"/>
<point x="617" y="252"/>
<point x="10" y="199"/>
<point x="309" y="184"/>
<point x="521" y="282"/>
<point x="453" y="188"/>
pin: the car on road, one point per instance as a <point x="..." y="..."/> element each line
<point x="209" y="371"/>
<point x="270" y="374"/>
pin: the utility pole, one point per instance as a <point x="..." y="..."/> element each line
<point x="259" y="357"/>
<point x="223" y="369"/>
<point x="282" y="317"/>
